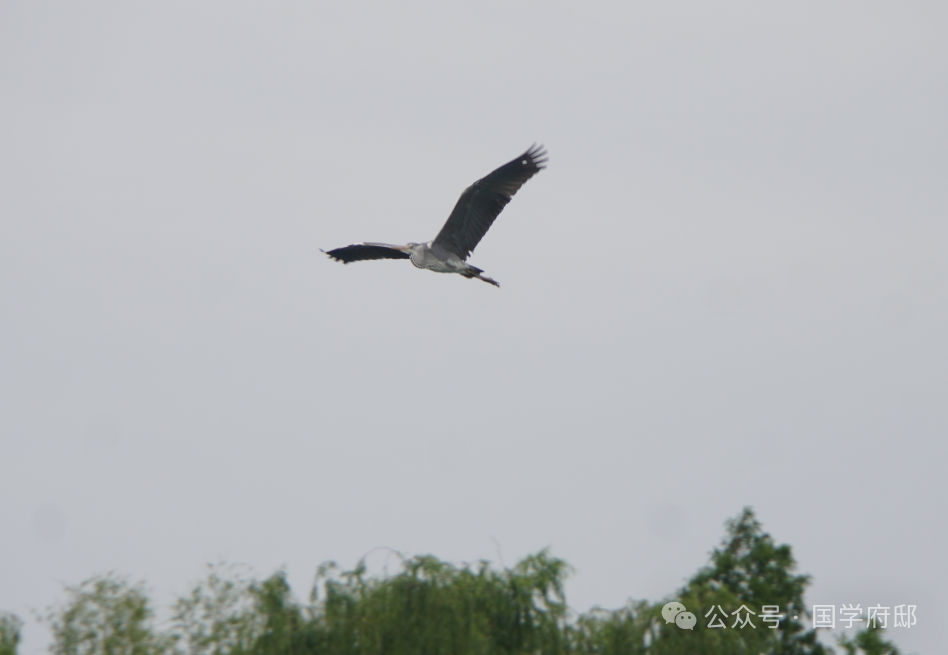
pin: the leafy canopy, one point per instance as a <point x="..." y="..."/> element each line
<point x="433" y="607"/>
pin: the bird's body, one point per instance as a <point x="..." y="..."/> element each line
<point x="472" y="216"/>
<point x="434" y="257"/>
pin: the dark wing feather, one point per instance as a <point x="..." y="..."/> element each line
<point x="362" y="251"/>
<point x="481" y="202"/>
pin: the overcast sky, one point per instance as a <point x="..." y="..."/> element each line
<point x="729" y="288"/>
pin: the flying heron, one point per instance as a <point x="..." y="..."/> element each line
<point x="473" y="215"/>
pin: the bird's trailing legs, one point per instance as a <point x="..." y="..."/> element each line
<point x="473" y="272"/>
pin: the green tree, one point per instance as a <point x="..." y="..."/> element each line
<point x="10" y="626"/>
<point x="748" y="569"/>
<point x="867" y="641"/>
<point x="105" y="616"/>
<point x="285" y="628"/>
<point x="219" y="616"/>
<point x="431" y="607"/>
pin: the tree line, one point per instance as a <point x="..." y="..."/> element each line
<point x="432" y="607"/>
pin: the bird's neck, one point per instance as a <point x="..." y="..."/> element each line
<point x="418" y="255"/>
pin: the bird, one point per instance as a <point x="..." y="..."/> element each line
<point x="474" y="213"/>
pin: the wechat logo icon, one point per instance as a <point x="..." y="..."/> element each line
<point x="675" y="612"/>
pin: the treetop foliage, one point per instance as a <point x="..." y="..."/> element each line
<point x="105" y="616"/>
<point x="9" y="633"/>
<point x="433" y="607"/>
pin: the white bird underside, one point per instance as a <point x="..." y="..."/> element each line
<point x="474" y="213"/>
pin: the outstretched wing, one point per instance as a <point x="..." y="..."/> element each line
<point x="481" y="202"/>
<point x="362" y="251"/>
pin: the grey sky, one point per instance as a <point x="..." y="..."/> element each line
<point x="729" y="288"/>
